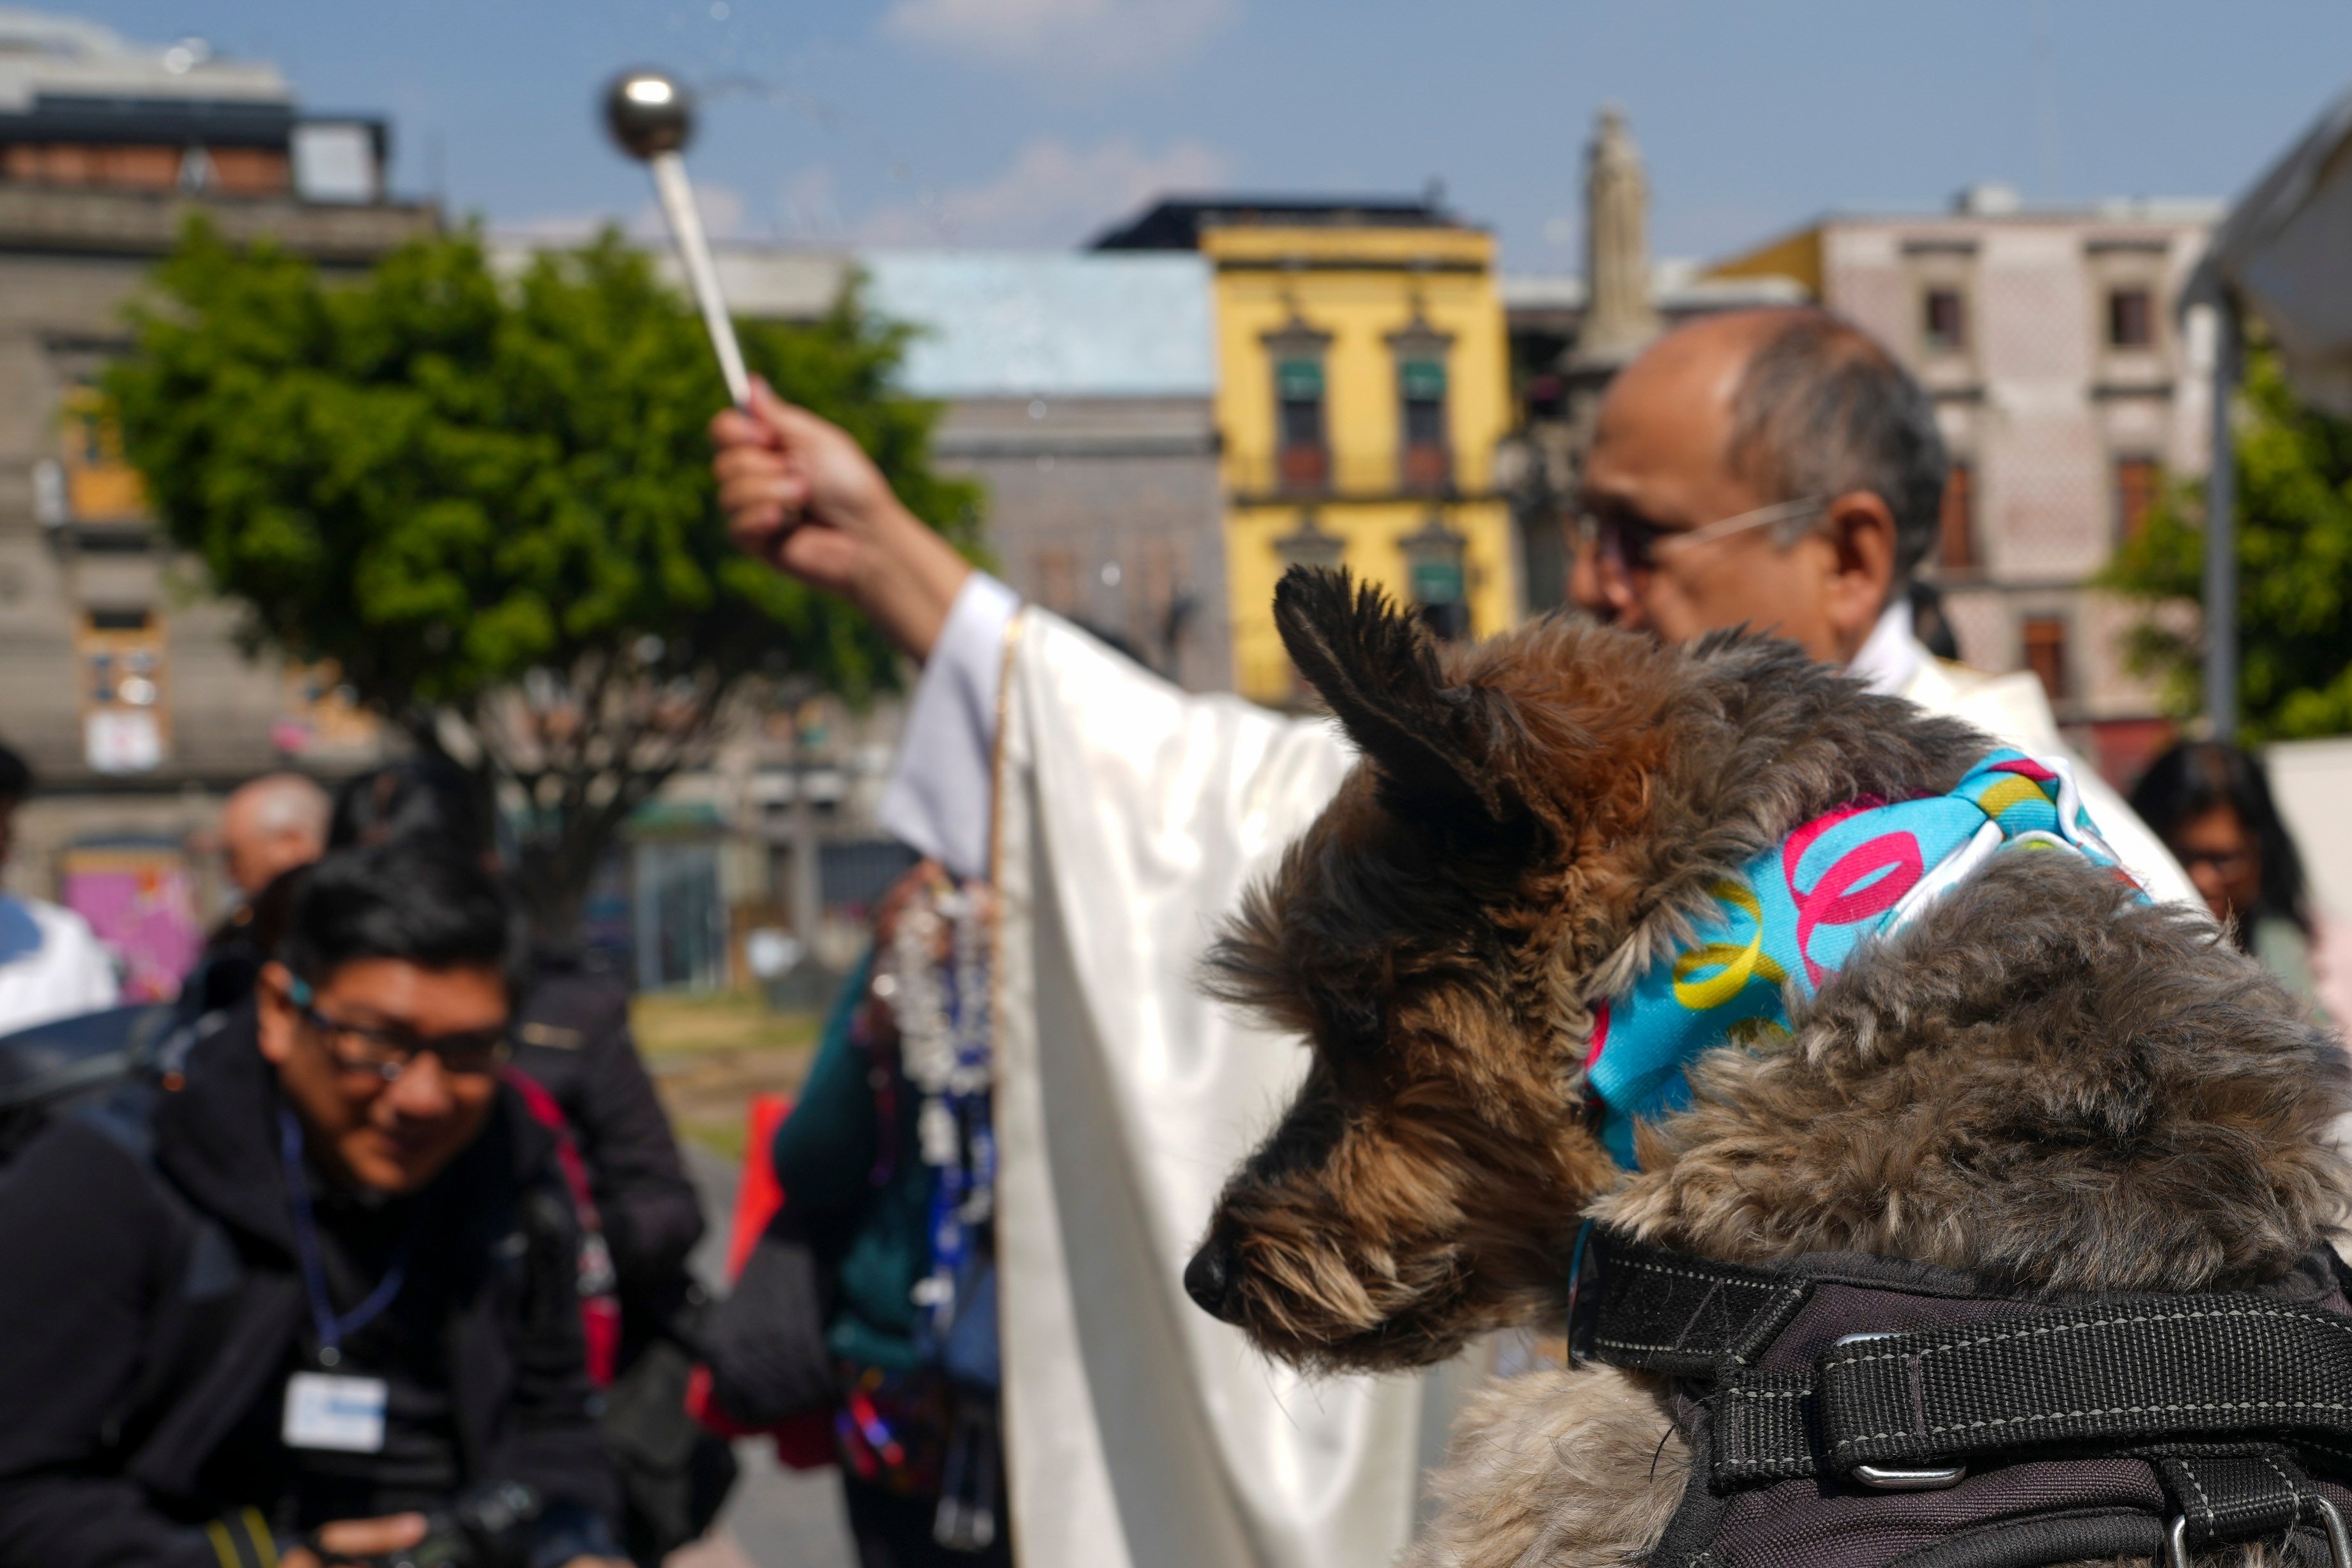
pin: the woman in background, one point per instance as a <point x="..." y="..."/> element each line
<point x="2211" y="805"/>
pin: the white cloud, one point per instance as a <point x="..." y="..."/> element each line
<point x="723" y="209"/>
<point x="810" y="206"/>
<point x="1051" y="194"/>
<point x="722" y="215"/>
<point x="1062" y="38"/>
<point x="553" y="228"/>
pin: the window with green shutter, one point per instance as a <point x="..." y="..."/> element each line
<point x="1425" y="465"/>
<point x="1438" y="582"/>
<point x="1300" y="381"/>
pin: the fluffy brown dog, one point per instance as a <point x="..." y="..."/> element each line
<point x="2037" y="1079"/>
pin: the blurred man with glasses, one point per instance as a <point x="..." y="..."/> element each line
<point x="1778" y="470"/>
<point x="318" y="1281"/>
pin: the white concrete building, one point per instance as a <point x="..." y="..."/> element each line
<point x="2068" y="395"/>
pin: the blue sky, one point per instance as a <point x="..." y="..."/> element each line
<point x="1021" y="122"/>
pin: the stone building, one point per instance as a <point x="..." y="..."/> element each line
<point x="125" y="690"/>
<point x="2067" y="393"/>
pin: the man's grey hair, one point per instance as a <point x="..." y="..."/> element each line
<point x="1822" y="409"/>
<point x="286" y="803"/>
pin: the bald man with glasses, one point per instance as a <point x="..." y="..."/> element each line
<point x="1778" y="470"/>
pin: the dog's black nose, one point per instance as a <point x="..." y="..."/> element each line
<point x="1207" y="1277"/>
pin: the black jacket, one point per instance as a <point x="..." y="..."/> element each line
<point x="572" y="1034"/>
<point x="151" y="1299"/>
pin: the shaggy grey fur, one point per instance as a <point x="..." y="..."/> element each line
<point x="2036" y="1079"/>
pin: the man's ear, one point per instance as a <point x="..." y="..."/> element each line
<point x="274" y="1012"/>
<point x="1862" y="534"/>
<point x="1433" y="743"/>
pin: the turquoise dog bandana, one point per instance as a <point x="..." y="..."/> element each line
<point x="1794" y="914"/>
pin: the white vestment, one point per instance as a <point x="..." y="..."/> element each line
<point x="1126" y="817"/>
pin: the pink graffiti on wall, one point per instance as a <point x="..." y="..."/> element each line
<point x="143" y="906"/>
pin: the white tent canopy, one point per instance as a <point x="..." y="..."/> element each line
<point x="2285" y="251"/>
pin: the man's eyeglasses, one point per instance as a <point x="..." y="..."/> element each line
<point x="1628" y="545"/>
<point x="386" y="1053"/>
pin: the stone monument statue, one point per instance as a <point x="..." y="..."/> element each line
<point x="1618" y="317"/>
<point x="1540" y="460"/>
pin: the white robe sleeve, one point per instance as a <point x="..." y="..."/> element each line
<point x="940" y="799"/>
<point x="1140" y="1431"/>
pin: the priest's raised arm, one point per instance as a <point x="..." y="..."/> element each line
<point x="1118" y="817"/>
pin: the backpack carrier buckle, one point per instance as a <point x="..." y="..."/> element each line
<point x="1936" y="1478"/>
<point x="2331" y="1521"/>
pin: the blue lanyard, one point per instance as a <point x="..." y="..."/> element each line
<point x="332" y="1328"/>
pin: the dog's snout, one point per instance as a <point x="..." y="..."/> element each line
<point x="1209" y="1277"/>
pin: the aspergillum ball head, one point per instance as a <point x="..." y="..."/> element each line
<point x="649" y="113"/>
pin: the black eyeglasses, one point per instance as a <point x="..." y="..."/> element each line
<point x="2222" y="861"/>
<point x="386" y="1053"/>
<point x="1629" y="545"/>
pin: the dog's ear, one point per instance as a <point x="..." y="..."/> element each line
<point x="1433" y="743"/>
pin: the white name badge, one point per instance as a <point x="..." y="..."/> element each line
<point x="344" y="1413"/>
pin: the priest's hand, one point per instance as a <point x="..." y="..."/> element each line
<point x="800" y="495"/>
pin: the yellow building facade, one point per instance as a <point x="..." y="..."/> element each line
<point x="1363" y="386"/>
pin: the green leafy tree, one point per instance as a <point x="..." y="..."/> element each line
<point x="2294" y="570"/>
<point x="488" y="503"/>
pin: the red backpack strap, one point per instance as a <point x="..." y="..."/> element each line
<point x="600" y="1307"/>
<point x="548" y="1113"/>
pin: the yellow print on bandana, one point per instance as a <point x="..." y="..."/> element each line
<point x="1741" y="964"/>
<point x="2011" y="790"/>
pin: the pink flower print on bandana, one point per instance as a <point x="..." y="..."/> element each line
<point x="1795" y="914"/>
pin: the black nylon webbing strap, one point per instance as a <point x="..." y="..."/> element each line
<point x="2236" y="1497"/>
<point x="1662" y="1312"/>
<point x="1763" y="1426"/>
<point x="2131" y="1369"/>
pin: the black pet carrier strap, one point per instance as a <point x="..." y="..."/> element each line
<point x="1665" y="1313"/>
<point x="2237" y="1497"/>
<point x="2127" y="1371"/>
<point x="1762" y="1429"/>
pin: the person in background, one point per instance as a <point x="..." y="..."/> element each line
<point x="2212" y="804"/>
<point x="872" y="1297"/>
<point x="572" y="1039"/>
<point x="52" y="964"/>
<point x="277" y="1307"/>
<point x="270" y="825"/>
